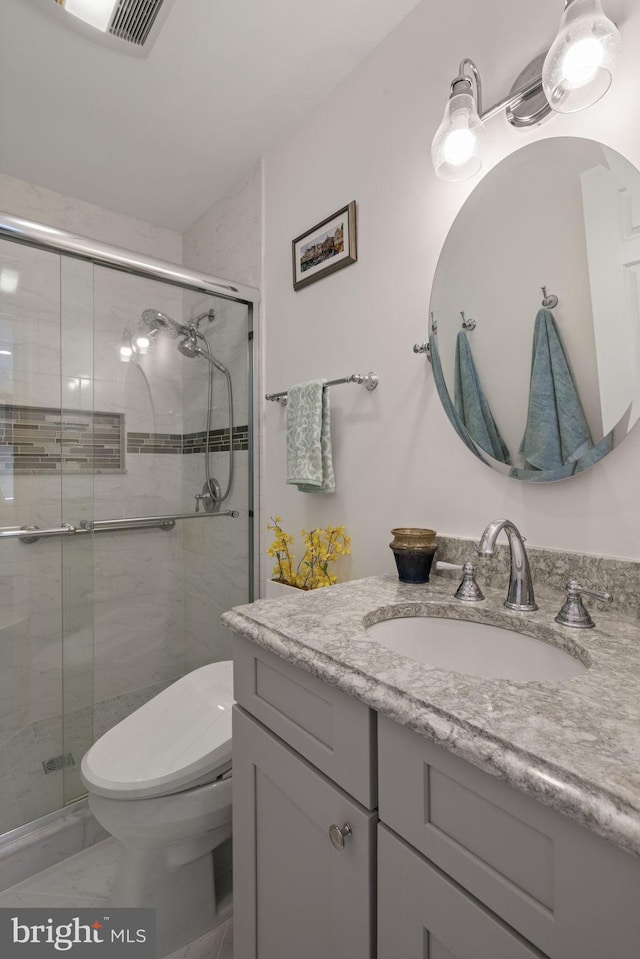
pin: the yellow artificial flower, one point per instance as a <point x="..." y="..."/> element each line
<point x="321" y="547"/>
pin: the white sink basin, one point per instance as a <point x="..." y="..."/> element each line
<point x="476" y="649"/>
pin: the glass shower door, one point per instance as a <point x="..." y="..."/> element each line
<point x="108" y="423"/>
<point x="30" y="571"/>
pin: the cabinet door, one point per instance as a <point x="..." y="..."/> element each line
<point x="422" y="914"/>
<point x="295" y="895"/>
<point x="332" y="731"/>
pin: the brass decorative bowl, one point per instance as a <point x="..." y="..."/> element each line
<point x="410" y="537"/>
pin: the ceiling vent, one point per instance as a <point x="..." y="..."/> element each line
<point x="128" y="25"/>
<point x="133" y="20"/>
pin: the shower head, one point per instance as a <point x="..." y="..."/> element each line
<point x="157" y="320"/>
<point x="189" y="347"/>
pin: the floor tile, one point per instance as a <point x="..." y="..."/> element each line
<point x="12" y="899"/>
<point x="87" y="875"/>
<point x="85" y="880"/>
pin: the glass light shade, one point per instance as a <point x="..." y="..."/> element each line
<point x="97" y="13"/>
<point x="455" y="150"/>
<point x="579" y="66"/>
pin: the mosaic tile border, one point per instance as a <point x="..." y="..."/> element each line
<point x="189" y="442"/>
<point x="38" y="439"/>
<point x="154" y="443"/>
<point x="218" y="440"/>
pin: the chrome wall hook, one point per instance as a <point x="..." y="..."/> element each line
<point x="467" y="324"/>
<point x="549" y="302"/>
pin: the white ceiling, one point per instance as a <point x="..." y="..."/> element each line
<point x="162" y="138"/>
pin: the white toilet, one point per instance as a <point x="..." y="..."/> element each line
<point x="160" y="781"/>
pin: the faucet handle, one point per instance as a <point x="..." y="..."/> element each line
<point x="468" y="591"/>
<point x="574" y="613"/>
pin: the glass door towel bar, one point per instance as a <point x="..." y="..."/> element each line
<point x="368" y="380"/>
<point x="30" y="534"/>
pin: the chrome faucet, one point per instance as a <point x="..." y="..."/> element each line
<point x="520" y="593"/>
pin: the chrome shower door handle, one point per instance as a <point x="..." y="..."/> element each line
<point x="30" y="534"/>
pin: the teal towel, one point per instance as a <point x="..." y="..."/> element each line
<point x="471" y="404"/>
<point x="309" y="462"/>
<point x="445" y="398"/>
<point x="556" y="434"/>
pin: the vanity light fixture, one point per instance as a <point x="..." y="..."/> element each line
<point x="575" y="73"/>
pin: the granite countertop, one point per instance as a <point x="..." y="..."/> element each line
<point x="573" y="744"/>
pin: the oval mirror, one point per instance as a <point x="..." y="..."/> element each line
<point x="535" y="310"/>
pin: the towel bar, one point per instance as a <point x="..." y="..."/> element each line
<point x="368" y="380"/>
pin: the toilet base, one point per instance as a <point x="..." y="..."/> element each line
<point x="183" y="895"/>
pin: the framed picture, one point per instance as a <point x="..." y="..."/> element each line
<point x="325" y="248"/>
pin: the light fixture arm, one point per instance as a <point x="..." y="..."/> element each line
<point x="514" y="98"/>
<point x="463" y="77"/>
<point x="467" y="67"/>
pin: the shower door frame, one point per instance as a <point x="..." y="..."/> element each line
<point x="41" y="236"/>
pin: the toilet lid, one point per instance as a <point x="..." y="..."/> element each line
<point x="179" y="739"/>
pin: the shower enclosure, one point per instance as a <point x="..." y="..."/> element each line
<point x="126" y="438"/>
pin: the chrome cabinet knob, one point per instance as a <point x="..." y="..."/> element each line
<point x="338" y="834"/>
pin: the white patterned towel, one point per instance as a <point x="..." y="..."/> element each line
<point x="309" y="463"/>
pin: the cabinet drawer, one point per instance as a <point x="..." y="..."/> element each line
<point x="295" y="895"/>
<point x="421" y="913"/>
<point x="495" y="842"/>
<point x="333" y="731"/>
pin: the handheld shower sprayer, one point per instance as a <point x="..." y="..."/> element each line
<point x="193" y="343"/>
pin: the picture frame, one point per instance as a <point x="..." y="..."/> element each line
<point x="328" y="246"/>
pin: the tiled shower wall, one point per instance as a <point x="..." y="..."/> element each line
<point x="226" y="241"/>
<point x="216" y="551"/>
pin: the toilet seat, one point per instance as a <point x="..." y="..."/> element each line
<point x="179" y="739"/>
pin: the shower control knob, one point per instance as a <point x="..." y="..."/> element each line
<point x="338" y="834"/>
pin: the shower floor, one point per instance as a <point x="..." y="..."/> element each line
<point x="26" y="791"/>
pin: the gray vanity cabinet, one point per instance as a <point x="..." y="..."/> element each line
<point x="467" y="866"/>
<point x="467" y="849"/>
<point x="297" y="896"/>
